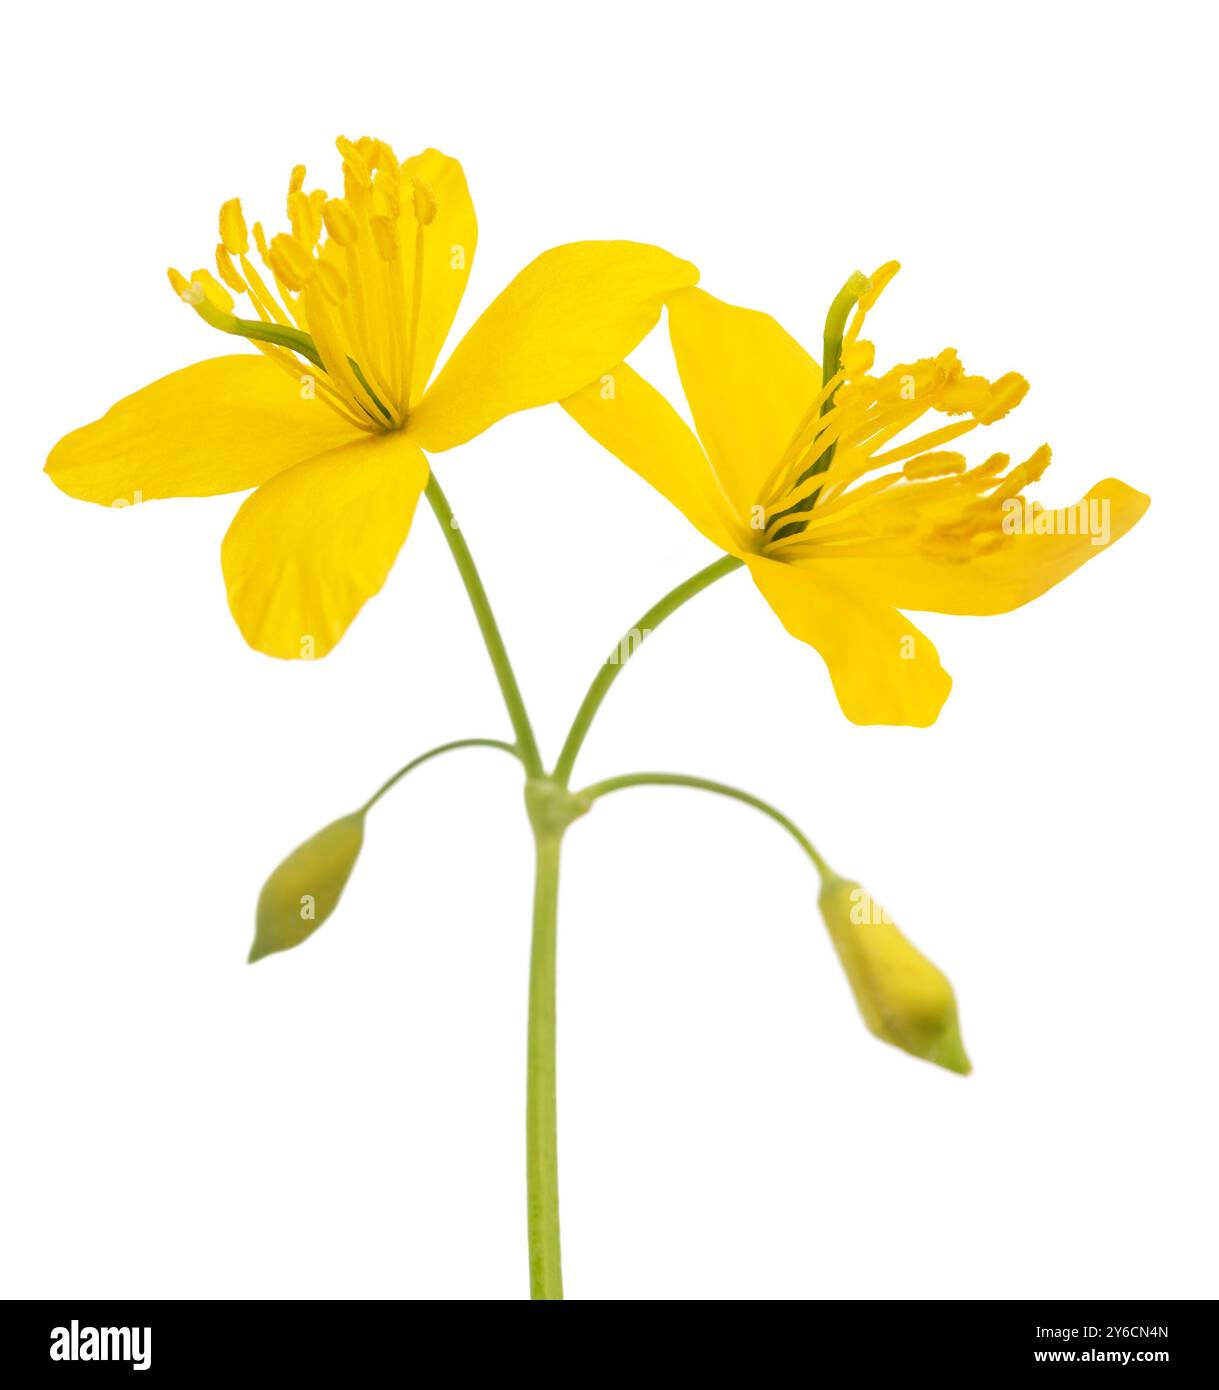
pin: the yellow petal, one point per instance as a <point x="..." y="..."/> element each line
<point x="884" y="670"/>
<point x="220" y="426"/>
<point x="1042" y="550"/>
<point x="309" y="547"/>
<point x="568" y="318"/>
<point x="449" y="241"/>
<point x="749" y="386"/>
<point x="636" y="424"/>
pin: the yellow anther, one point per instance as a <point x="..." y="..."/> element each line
<point x="303" y="215"/>
<point x="934" y="465"/>
<point x="340" y="221"/>
<point x="354" y="161"/>
<point x="228" y="271"/>
<point x="989" y="467"/>
<point x="296" y="180"/>
<point x="388" y="181"/>
<point x="877" y="281"/>
<point x="1023" y="474"/>
<point x="1039" y="461"/>
<point x="425" y="202"/>
<point x="232" y="228"/>
<point x="387" y="192"/>
<point x="183" y="287"/>
<point x="385" y="234"/>
<point x="857" y="358"/>
<point x="383" y="157"/>
<point x="290" y="261"/>
<point x="1005" y="395"/>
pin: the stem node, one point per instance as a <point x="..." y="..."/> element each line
<point x="552" y="807"/>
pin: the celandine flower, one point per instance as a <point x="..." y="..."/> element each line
<point x="351" y="308"/>
<point x="841" y="520"/>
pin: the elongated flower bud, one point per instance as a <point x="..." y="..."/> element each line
<point x="305" y="889"/>
<point x="904" y="999"/>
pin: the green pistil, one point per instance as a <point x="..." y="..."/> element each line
<point x="294" y="339"/>
<point x="831" y="361"/>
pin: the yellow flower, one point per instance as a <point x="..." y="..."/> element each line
<point x="841" y="522"/>
<point x="351" y="309"/>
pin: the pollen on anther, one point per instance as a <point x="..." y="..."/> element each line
<point x="424" y="198"/>
<point x="941" y="464"/>
<point x="1005" y="395"/>
<point x="340" y="221"/>
<point x="354" y="161"/>
<point x="233" y="229"/>
<point x="228" y="271"/>
<point x="858" y="357"/>
<point x="305" y="216"/>
<point x="876" y="283"/>
<point x="1037" y="462"/>
<point x="290" y="261"/>
<point x="387" y="190"/>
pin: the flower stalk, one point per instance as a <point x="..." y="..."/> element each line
<point x="526" y="743"/>
<point x="625" y="649"/>
<point x="551" y="807"/>
<point x="541" y="1099"/>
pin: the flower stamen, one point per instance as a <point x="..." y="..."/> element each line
<point x="348" y="278"/>
<point x="820" y="500"/>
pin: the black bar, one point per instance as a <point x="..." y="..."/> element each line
<point x="342" y="1341"/>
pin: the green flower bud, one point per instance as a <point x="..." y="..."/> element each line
<point x="305" y="889"/>
<point x="904" y="999"/>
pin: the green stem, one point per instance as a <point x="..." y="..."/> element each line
<point x="435" y="753"/>
<point x="541" y="1112"/>
<point x="551" y="809"/>
<point x="676" y="779"/>
<point x="526" y="744"/>
<point x="541" y="1124"/>
<point x="623" y="652"/>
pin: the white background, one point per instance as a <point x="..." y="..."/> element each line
<point x="347" y="1120"/>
